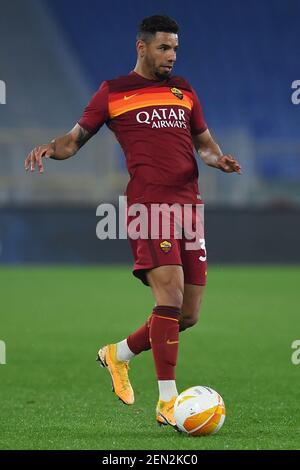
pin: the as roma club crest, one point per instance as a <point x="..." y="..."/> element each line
<point x="165" y="246"/>
<point x="177" y="93"/>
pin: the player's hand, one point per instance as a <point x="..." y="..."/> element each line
<point x="36" y="155"/>
<point x="228" y="164"/>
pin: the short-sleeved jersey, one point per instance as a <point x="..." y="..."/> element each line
<point x="154" y="122"/>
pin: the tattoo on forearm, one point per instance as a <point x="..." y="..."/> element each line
<point x="82" y="137"/>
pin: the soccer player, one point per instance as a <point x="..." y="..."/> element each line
<point x="158" y="120"/>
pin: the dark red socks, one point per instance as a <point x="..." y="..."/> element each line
<point x="160" y="333"/>
<point x="164" y="339"/>
<point x="139" y="340"/>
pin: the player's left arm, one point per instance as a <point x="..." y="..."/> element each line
<point x="212" y="155"/>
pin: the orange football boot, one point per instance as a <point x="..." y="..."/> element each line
<point x="107" y="356"/>
<point x="165" y="412"/>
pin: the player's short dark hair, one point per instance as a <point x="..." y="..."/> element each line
<point x="157" y="23"/>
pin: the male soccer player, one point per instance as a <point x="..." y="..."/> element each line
<point x="157" y="118"/>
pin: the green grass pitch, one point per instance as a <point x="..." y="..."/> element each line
<point x="53" y="394"/>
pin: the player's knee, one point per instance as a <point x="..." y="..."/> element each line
<point x="172" y="292"/>
<point x="187" y="322"/>
<point x="175" y="298"/>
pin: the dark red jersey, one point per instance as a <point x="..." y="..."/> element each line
<point x="154" y="122"/>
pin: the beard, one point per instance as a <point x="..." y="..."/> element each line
<point x="158" y="71"/>
<point x="162" y="75"/>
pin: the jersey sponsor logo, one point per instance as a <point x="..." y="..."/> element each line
<point x="165" y="246"/>
<point x="160" y="118"/>
<point x="130" y="96"/>
<point x="177" y="93"/>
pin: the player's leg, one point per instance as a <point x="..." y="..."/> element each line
<point x="194" y="262"/>
<point x="167" y="284"/>
<point x="148" y="254"/>
<point x="139" y="341"/>
<point x="192" y="299"/>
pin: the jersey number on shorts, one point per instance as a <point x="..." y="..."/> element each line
<point x="202" y="246"/>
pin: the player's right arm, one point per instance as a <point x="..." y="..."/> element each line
<point x="94" y="116"/>
<point x="59" y="149"/>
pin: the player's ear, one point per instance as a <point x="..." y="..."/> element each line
<point x="140" y="47"/>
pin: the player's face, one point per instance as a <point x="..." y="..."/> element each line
<point x="160" y="54"/>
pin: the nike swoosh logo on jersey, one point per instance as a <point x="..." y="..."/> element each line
<point x="131" y="96"/>
<point x="171" y="342"/>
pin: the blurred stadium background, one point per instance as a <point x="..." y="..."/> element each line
<point x="240" y="57"/>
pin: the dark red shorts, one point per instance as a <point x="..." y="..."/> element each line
<point x="188" y="251"/>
